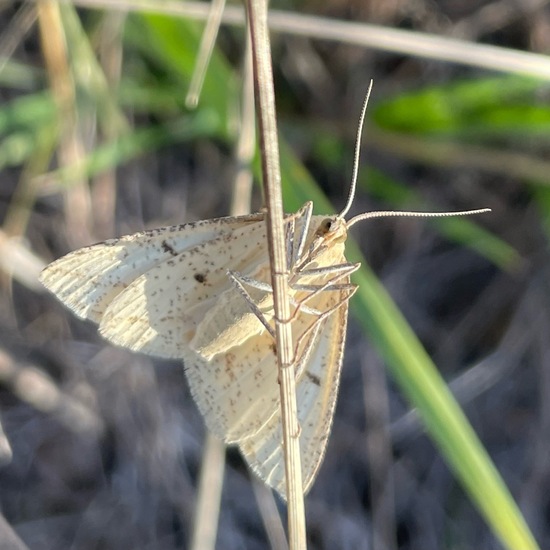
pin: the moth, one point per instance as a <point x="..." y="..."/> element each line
<point x="186" y="292"/>
<point x="202" y="292"/>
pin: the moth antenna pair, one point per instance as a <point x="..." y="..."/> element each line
<point x="386" y="213"/>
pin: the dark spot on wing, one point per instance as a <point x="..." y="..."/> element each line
<point x="167" y="248"/>
<point x="200" y="277"/>
<point x="313" y="378"/>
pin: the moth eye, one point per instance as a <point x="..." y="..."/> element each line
<point x="325" y="227"/>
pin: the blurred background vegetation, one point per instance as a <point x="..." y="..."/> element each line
<point x="100" y="449"/>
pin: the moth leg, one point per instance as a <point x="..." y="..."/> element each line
<point x="314" y="251"/>
<point x="314" y="327"/>
<point x="305" y="214"/>
<point x="345" y="269"/>
<point x="342" y="270"/>
<point x="236" y="280"/>
<point x="322" y="288"/>
<point x="254" y="283"/>
<point x="302" y="307"/>
<point x="266" y="287"/>
<point x="295" y="239"/>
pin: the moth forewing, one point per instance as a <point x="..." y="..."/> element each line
<point x="160" y="311"/>
<point x="241" y="313"/>
<point x="88" y="279"/>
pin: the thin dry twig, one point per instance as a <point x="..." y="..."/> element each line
<point x="265" y="100"/>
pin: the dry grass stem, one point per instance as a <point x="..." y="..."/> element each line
<point x="205" y="526"/>
<point x="18" y="261"/>
<point x="21" y="23"/>
<point x="270" y="516"/>
<point x="6" y="452"/>
<point x="104" y="192"/>
<point x="379" y="452"/>
<point x="246" y="144"/>
<point x="71" y="149"/>
<point x="265" y="101"/>
<point x="451" y="154"/>
<point x="376" y="37"/>
<point x="241" y="200"/>
<point x="10" y="539"/>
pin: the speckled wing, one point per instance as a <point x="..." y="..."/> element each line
<point x="167" y="292"/>
<point x="237" y="389"/>
<point x="316" y="392"/>
<point x="146" y="290"/>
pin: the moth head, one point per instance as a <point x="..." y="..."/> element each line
<point x="333" y="230"/>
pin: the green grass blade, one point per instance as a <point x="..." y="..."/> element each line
<point x="477" y="108"/>
<point x="420" y="381"/>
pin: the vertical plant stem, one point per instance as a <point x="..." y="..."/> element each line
<point x="71" y="149"/>
<point x="265" y="101"/>
<point x="205" y="528"/>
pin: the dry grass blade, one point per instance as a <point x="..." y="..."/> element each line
<point x="207" y="45"/>
<point x="423" y="45"/>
